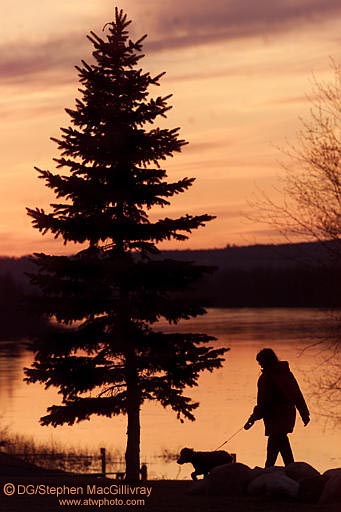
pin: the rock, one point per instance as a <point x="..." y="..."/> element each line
<point x="274" y="469"/>
<point x="311" y="488"/>
<point x="300" y="470"/>
<point x="332" y="489"/>
<point x="273" y="484"/>
<point x="255" y="472"/>
<point x="332" y="472"/>
<point x="227" y="479"/>
<point x="199" y="487"/>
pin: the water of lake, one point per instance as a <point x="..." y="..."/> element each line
<point x="226" y="396"/>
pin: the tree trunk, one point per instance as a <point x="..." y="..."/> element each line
<point x="132" y="455"/>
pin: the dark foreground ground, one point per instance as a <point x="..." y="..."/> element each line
<point x="30" y="489"/>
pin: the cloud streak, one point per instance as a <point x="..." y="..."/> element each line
<point x="25" y="60"/>
<point x="193" y="22"/>
<point x="175" y="25"/>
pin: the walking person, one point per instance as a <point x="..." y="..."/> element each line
<point x="278" y="398"/>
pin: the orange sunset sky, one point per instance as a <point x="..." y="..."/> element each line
<point x="239" y="71"/>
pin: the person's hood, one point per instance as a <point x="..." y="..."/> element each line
<point x="282" y="367"/>
<point x="279" y="373"/>
<point x="279" y="367"/>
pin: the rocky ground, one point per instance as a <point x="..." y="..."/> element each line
<point x="33" y="489"/>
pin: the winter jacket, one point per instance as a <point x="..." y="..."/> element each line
<point x="278" y="397"/>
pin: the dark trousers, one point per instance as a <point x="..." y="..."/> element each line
<point x="278" y="443"/>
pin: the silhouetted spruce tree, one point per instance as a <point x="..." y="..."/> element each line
<point x="100" y="349"/>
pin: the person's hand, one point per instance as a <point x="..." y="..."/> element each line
<point x="249" y="423"/>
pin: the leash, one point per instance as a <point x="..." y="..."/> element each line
<point x="229" y="439"/>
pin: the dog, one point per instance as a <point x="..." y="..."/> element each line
<point x="203" y="462"/>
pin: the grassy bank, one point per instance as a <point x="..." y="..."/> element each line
<point x="57" y="456"/>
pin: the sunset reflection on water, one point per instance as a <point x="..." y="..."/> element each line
<point x="226" y="396"/>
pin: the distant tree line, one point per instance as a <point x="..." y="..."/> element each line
<point x="298" y="286"/>
<point x="17" y="320"/>
<point x="255" y="276"/>
<point x="286" y="275"/>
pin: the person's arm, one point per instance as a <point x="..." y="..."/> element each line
<point x="300" y="403"/>
<point x="292" y="391"/>
<point x="257" y="413"/>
